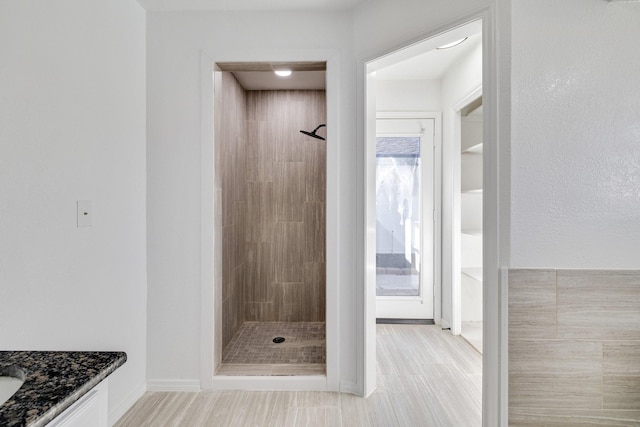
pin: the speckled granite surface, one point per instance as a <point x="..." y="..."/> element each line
<point x="53" y="381"/>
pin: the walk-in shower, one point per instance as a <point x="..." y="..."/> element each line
<point x="272" y="185"/>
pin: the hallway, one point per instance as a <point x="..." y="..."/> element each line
<point x="426" y="377"/>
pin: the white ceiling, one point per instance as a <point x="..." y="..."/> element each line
<point x="431" y="65"/>
<point x="251" y="5"/>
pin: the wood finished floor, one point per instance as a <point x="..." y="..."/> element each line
<point x="426" y="377"/>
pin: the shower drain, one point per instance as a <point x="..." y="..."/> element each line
<point x="278" y="340"/>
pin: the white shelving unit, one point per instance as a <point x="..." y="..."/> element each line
<point x="471" y="227"/>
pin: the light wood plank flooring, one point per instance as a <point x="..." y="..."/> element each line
<point x="426" y="377"/>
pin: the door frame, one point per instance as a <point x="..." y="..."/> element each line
<point x="437" y="197"/>
<point x="496" y="224"/>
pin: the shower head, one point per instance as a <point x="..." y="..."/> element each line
<point x="313" y="133"/>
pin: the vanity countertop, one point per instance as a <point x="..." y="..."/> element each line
<point x="54" y="380"/>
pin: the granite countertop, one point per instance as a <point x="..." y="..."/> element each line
<point x="54" y="380"/>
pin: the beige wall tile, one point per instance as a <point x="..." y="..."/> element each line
<point x="289" y="244"/>
<point x="621" y="375"/>
<point x="227" y="259"/>
<point x="259" y="311"/>
<point x="315" y="280"/>
<point x="227" y="321"/>
<point x="621" y="392"/>
<point x="231" y="147"/>
<point x="315" y="159"/>
<point x="290" y="144"/>
<point x="291" y="301"/>
<point x="290" y="191"/>
<point x="599" y="304"/>
<point x="537" y="417"/>
<point x="239" y="232"/>
<point x="261" y="212"/>
<point x="260" y="153"/>
<point x="271" y="170"/>
<point x="257" y="105"/>
<point x="260" y="272"/>
<point x="315" y="226"/>
<point x="621" y="358"/>
<point x="555" y="374"/>
<point x="238" y="297"/>
<point x="240" y="168"/>
<point x="532" y="304"/>
<point x="226" y="181"/>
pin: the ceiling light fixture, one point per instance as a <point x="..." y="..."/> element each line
<point x="283" y="73"/>
<point x="452" y="44"/>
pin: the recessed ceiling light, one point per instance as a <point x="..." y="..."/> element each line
<point x="283" y="73"/>
<point x="452" y="44"/>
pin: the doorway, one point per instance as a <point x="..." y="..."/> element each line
<point x="405" y="209"/>
<point x="445" y="59"/>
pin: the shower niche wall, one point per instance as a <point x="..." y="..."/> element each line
<point x="271" y="185"/>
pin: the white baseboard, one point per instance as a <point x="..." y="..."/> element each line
<point x="349" y="387"/>
<point x="284" y="383"/>
<point x="117" y="412"/>
<point x="173" y="385"/>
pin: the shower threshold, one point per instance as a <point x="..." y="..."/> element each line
<point x="253" y="352"/>
<point x="285" y="369"/>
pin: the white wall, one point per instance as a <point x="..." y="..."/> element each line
<point x="402" y="20"/>
<point x="576" y="150"/>
<point x="463" y="77"/>
<point x="175" y="42"/>
<point x="72" y="102"/>
<point x="408" y="95"/>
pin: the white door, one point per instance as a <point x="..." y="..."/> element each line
<point x="404" y="217"/>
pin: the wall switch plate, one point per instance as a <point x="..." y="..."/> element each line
<point x="85" y="213"/>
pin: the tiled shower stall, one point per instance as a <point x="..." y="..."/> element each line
<point x="272" y="182"/>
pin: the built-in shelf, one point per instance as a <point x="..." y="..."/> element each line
<point x="471" y="197"/>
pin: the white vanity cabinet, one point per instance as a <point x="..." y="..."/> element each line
<point x="91" y="410"/>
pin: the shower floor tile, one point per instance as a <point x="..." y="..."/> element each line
<point x="253" y="344"/>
